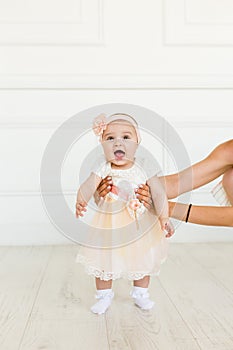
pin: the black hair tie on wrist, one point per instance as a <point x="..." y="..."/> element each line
<point x="187" y="216"/>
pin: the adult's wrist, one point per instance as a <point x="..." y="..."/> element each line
<point x="188" y="212"/>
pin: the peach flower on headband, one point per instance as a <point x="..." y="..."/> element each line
<point x="99" y="124"/>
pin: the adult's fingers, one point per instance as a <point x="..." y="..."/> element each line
<point x="143" y="194"/>
<point x="107" y="180"/>
<point x="146" y="204"/>
<point x="144" y="190"/>
<point x="144" y="187"/>
<point x="104" y="186"/>
<point x="144" y="198"/>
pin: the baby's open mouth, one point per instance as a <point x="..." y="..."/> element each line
<point x="119" y="154"/>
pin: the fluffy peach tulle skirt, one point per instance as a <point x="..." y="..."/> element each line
<point x="140" y="253"/>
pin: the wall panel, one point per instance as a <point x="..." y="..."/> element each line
<point x="59" y="58"/>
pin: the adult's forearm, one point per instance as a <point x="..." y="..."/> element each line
<point x="201" y="173"/>
<point x="202" y="215"/>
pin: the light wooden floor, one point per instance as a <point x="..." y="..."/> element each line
<point x="45" y="299"/>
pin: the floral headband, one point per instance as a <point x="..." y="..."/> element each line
<point x="101" y="121"/>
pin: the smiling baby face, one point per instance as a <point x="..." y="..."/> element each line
<point x="120" y="143"/>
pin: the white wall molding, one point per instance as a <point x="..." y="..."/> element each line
<point x="85" y="26"/>
<point x="19" y="13"/>
<point x="24" y="221"/>
<point x="181" y="30"/>
<point x="171" y="56"/>
<point x="37" y="125"/>
<point x="203" y="124"/>
<point x="72" y="192"/>
<point x="28" y="193"/>
<point x="163" y="47"/>
<point x="115" y="81"/>
<point x="14" y="124"/>
<point x="208" y="12"/>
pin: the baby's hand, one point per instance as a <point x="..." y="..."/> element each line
<point x="80" y="208"/>
<point x="166" y="225"/>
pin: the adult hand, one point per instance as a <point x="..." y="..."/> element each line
<point x="142" y="192"/>
<point x="144" y="196"/>
<point x="104" y="186"/>
<point x="103" y="189"/>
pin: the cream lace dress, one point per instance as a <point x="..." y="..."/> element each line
<point x="146" y="247"/>
<point x="220" y="195"/>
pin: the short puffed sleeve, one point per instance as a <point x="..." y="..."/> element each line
<point x="149" y="164"/>
<point x="101" y="167"/>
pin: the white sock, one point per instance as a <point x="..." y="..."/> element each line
<point x="105" y="297"/>
<point x="141" y="298"/>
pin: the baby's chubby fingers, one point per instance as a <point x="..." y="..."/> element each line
<point x="169" y="234"/>
<point x="80" y="208"/>
<point x="80" y="205"/>
<point x="170" y="229"/>
<point x="79" y="213"/>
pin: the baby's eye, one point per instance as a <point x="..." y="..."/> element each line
<point x="126" y="137"/>
<point x="109" y="138"/>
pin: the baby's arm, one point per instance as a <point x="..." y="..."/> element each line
<point x="160" y="202"/>
<point x="159" y="197"/>
<point x="85" y="192"/>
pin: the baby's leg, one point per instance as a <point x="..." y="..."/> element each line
<point x="143" y="283"/>
<point x="105" y="295"/>
<point x="227" y="182"/>
<point x="140" y="293"/>
<point x="101" y="284"/>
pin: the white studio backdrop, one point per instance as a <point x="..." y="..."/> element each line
<point x="57" y="59"/>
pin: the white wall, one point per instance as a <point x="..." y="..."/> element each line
<point x="56" y="59"/>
